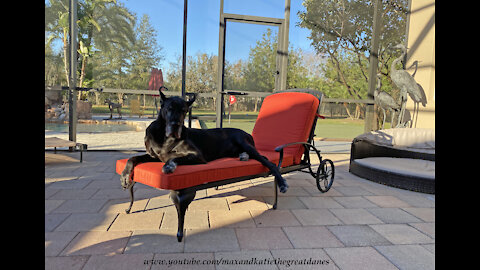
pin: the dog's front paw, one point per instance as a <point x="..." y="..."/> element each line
<point x="125" y="180"/>
<point x="169" y="167"/>
<point x="244" y="156"/>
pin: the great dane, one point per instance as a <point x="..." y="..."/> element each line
<point x="168" y="140"/>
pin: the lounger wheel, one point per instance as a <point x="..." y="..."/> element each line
<point x="325" y="175"/>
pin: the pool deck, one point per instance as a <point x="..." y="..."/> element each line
<point x="125" y="140"/>
<point x="357" y="224"/>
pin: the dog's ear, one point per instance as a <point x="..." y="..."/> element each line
<point x="163" y="98"/>
<point x="190" y="98"/>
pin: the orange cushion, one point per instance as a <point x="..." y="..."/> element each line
<point x="285" y="118"/>
<point x="185" y="176"/>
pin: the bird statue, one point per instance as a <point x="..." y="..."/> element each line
<point x="415" y="63"/>
<point x="405" y="82"/>
<point x="423" y="99"/>
<point x="385" y="101"/>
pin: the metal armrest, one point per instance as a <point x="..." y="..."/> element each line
<point x="280" y="148"/>
<point x="305" y="144"/>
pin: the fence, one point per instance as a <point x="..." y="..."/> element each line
<point x="247" y="101"/>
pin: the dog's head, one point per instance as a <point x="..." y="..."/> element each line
<point x="173" y="111"/>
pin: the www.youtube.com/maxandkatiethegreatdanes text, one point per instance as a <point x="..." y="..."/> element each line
<point x="251" y="261"/>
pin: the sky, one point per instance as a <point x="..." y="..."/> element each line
<point x="166" y="16"/>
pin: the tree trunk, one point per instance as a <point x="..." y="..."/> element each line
<point x="120" y="98"/>
<point x="348" y="111"/>
<point x="82" y="75"/>
<point x="82" y="72"/>
<point x="97" y="98"/>
<point x="357" y="111"/>
<point x="257" y="100"/>
<point x="351" y="91"/>
<point x="65" y="56"/>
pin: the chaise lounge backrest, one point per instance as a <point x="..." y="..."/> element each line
<point x="285" y="118"/>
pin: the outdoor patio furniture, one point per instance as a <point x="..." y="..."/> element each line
<point x="57" y="142"/>
<point x="283" y="133"/>
<point x="398" y="157"/>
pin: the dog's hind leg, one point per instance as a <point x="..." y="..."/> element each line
<point x="253" y="153"/>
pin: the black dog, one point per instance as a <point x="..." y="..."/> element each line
<point x="168" y="140"/>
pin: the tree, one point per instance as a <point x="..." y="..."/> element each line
<point x="261" y="65"/>
<point x="234" y="75"/>
<point x="103" y="25"/>
<point x="201" y="76"/>
<point x="260" y="69"/>
<point x="56" y="24"/>
<point x="202" y="73"/>
<point x="342" y="30"/>
<point x="145" y="55"/>
<point x="53" y="67"/>
<point x="297" y="73"/>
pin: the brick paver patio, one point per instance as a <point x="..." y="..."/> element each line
<point x="356" y="225"/>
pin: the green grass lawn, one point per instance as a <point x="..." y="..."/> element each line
<point x="343" y="128"/>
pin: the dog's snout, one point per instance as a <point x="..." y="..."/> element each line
<point x="174" y="130"/>
<point x="178" y="132"/>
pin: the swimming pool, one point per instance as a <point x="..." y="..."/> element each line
<point x="90" y="128"/>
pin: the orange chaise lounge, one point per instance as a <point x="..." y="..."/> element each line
<point x="283" y="133"/>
